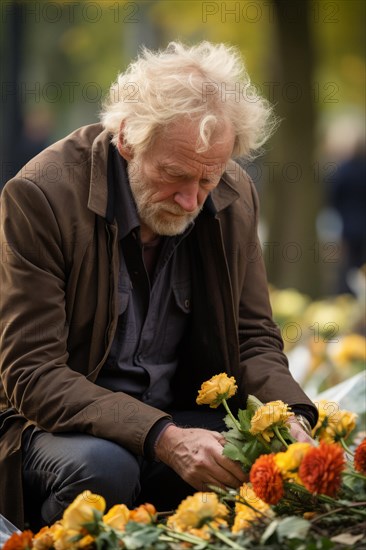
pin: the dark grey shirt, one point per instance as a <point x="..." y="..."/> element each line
<point x="153" y="309"/>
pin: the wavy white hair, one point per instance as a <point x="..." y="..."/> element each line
<point x="207" y="82"/>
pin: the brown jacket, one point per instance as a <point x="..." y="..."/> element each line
<point x="59" y="268"/>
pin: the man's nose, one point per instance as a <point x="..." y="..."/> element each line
<point x="187" y="198"/>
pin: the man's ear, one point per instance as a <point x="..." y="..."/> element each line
<point x="124" y="150"/>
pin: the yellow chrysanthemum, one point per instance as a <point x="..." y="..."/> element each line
<point x="117" y="516"/>
<point x="82" y="510"/>
<point x="216" y="389"/>
<point x="246" y="514"/>
<point x="290" y="460"/>
<point x="196" y="511"/>
<point x="273" y="413"/>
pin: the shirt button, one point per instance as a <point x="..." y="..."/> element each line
<point x="139" y="357"/>
<point x="187" y="303"/>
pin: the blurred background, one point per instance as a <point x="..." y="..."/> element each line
<point x="306" y="56"/>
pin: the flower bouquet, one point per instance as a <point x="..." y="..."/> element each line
<point x="298" y="495"/>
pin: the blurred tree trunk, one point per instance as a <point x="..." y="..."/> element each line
<point x="292" y="197"/>
<point x="12" y="33"/>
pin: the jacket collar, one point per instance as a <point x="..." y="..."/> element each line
<point x="225" y="193"/>
<point x="98" y="190"/>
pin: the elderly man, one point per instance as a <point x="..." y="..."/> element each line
<point x="131" y="273"/>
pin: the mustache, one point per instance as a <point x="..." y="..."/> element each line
<point x="174" y="208"/>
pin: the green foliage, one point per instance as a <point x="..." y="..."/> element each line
<point x="140" y="536"/>
<point x="241" y="445"/>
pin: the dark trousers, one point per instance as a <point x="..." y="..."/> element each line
<point x="59" y="466"/>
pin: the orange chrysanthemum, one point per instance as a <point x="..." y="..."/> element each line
<point x="266" y="479"/>
<point x="360" y="457"/>
<point x="19" y="541"/>
<point x="321" y="468"/>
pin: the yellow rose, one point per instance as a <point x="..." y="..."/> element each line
<point x="290" y="460"/>
<point x="44" y="539"/>
<point x="345" y="424"/>
<point x="246" y="514"/>
<point x="62" y="537"/>
<point x="196" y="510"/>
<point x="329" y="414"/>
<point x="85" y="542"/>
<point x="145" y="513"/>
<point x="216" y="389"/>
<point x="117" y="517"/>
<point x="273" y="413"/>
<point x="82" y="510"/>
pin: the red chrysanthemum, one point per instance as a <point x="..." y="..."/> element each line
<point x="360" y="457"/>
<point x="321" y="468"/>
<point x="22" y="541"/>
<point x="266" y="479"/>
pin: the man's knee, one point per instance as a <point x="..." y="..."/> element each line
<point x="105" y="468"/>
<point x="65" y="465"/>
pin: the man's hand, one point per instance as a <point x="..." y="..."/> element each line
<point x="196" y="455"/>
<point x="298" y="432"/>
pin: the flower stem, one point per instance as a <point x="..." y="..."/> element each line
<point x="264" y="442"/>
<point x="225" y="539"/>
<point x="278" y="434"/>
<point x="345" y="447"/>
<point x="231" y="415"/>
<point x="326" y="498"/>
<point x="355" y="475"/>
<point x="321" y="497"/>
<point x="186" y="537"/>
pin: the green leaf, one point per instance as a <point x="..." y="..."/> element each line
<point x="235" y="453"/>
<point x="234" y="438"/>
<point x="269" y="531"/>
<point x="244" y="419"/>
<point x="253" y="449"/>
<point x="293" y="527"/>
<point x="137" y="536"/>
<point x="276" y="445"/>
<point x="76" y="538"/>
<point x="107" y="541"/>
<point x="232" y="428"/>
<point x="253" y="404"/>
<point x="95" y="526"/>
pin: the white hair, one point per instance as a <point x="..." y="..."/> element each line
<point x="207" y="82"/>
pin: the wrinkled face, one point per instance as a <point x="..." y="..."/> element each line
<point x="171" y="181"/>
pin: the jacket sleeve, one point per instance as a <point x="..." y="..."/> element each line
<point x="36" y="378"/>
